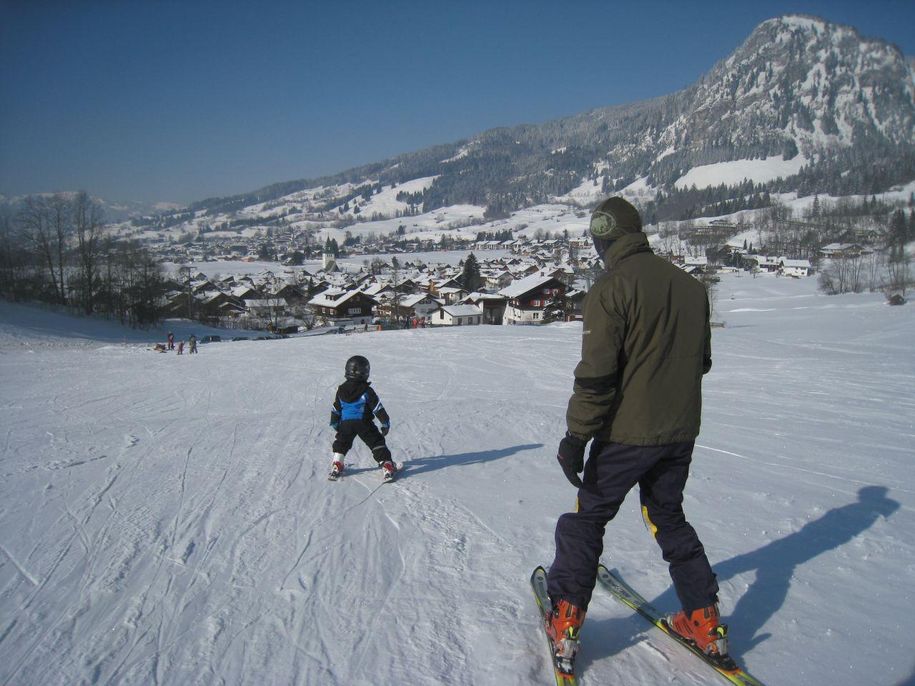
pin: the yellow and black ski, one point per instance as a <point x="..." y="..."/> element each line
<point x="563" y="668"/>
<point x="623" y="592"/>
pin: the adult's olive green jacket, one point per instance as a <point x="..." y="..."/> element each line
<point x="646" y="343"/>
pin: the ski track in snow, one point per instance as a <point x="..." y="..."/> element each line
<point x="167" y="520"/>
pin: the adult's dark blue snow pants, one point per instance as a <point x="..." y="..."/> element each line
<point x="612" y="470"/>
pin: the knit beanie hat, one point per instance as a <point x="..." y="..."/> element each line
<point x="613" y="218"/>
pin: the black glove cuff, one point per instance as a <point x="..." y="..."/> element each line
<point x="576" y="440"/>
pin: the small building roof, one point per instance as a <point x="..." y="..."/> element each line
<point x="462" y="310"/>
<point x="528" y="283"/>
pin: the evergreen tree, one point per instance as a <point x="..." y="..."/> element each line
<point x="470" y="277"/>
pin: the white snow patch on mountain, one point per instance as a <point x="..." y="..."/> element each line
<point x="731" y="173"/>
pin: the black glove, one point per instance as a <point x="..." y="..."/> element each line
<point x="384" y="429"/>
<point x="571" y="457"/>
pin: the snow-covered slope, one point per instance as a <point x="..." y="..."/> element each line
<point x="166" y="519"/>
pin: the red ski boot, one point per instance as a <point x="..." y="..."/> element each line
<point x="389" y="469"/>
<point x="563" y="626"/>
<point x="703" y="630"/>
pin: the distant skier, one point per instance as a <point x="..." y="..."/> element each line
<point x="180" y="347"/>
<point x="192" y="345"/>
<point x="356" y="405"/>
<point x="171" y="341"/>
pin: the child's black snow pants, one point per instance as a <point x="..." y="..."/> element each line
<point x="612" y="470"/>
<point x="368" y="432"/>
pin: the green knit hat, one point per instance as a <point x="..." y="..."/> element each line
<point x="613" y="218"/>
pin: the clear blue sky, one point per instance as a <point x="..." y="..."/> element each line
<point x="178" y="100"/>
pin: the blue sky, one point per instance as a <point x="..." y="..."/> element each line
<point x="179" y="100"/>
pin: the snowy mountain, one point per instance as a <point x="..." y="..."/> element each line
<point x="802" y="105"/>
<point x="166" y="520"/>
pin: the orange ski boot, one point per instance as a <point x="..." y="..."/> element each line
<point x="703" y="630"/>
<point x="563" y="626"/>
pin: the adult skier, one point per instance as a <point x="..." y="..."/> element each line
<point x="646" y="343"/>
<point x="356" y="405"/>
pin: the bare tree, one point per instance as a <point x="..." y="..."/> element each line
<point x="43" y="228"/>
<point x="898" y="269"/>
<point x="87" y="222"/>
<point x="842" y="274"/>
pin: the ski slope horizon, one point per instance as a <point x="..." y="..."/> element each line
<point x="167" y="520"/>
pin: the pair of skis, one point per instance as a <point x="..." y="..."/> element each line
<point x="611" y="581"/>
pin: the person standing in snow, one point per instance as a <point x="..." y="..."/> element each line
<point x="646" y="343"/>
<point x="171" y="341"/>
<point x="192" y="344"/>
<point x="356" y="405"/>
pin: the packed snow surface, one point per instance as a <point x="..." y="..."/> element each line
<point x="167" y="520"/>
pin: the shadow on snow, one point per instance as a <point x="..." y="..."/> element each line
<point x="774" y="565"/>
<point x="432" y="463"/>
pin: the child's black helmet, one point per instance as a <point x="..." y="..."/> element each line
<point x="357" y="368"/>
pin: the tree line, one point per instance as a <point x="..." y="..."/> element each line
<point x="54" y="249"/>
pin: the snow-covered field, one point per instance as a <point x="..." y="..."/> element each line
<point x="166" y="520"/>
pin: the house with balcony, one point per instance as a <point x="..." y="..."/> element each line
<point x="527" y="298"/>
<point x="343" y="306"/>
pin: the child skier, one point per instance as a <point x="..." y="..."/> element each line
<point x="355" y="407"/>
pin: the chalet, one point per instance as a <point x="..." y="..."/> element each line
<point x="695" y="265"/>
<point x="496" y="281"/>
<point x="244" y="291"/>
<point x="451" y="295"/>
<point x="527" y="270"/>
<point x="266" y="307"/>
<point x="211" y="305"/>
<point x="492" y="305"/>
<point x="435" y="287"/>
<point x="581" y="243"/>
<point x="691" y="269"/>
<point x="203" y="286"/>
<point x="377" y="290"/>
<point x="340" y="305"/>
<point x="575" y="299"/>
<point x="795" y="268"/>
<point x="291" y="293"/>
<point x="457" y="315"/>
<point x="407" y="286"/>
<point x="420" y="305"/>
<point x="763" y="263"/>
<point x="528" y="297"/>
<point x="840" y="250"/>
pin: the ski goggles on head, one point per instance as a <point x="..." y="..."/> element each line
<point x="602" y="223"/>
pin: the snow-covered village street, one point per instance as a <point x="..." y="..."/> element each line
<point x="167" y="520"/>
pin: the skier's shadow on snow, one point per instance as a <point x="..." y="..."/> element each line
<point x="774" y="565"/>
<point x="434" y="462"/>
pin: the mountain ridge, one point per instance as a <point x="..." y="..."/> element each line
<point x="836" y="109"/>
<point x="797" y="86"/>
